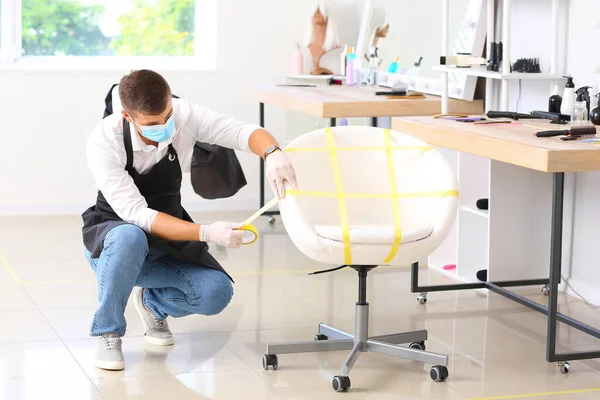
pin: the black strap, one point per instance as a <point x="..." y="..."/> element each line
<point x="128" y="146"/>
<point x="172" y="150"/>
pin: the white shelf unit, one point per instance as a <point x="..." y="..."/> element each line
<point x="512" y="239"/>
<point x="475" y="211"/>
<point x="503" y="77"/>
<point x="484" y="73"/>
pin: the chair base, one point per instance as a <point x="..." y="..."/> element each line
<point x="329" y="338"/>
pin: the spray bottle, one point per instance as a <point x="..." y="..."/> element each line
<point x="581" y="108"/>
<point x="373" y="67"/>
<point x="568" y="97"/>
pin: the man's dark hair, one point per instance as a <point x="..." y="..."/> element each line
<point x="144" y="92"/>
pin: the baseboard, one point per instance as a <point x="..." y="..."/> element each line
<point x="78" y="208"/>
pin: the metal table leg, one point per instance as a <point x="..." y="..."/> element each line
<point x="262" y="170"/>
<point x="555" y="275"/>
<point x="262" y="163"/>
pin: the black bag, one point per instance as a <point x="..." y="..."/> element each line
<point x="216" y="172"/>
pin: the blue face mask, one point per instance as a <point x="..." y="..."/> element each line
<point x="159" y="133"/>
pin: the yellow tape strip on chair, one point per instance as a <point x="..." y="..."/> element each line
<point x="394" y="190"/>
<point x="337" y="177"/>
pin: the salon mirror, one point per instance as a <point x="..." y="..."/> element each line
<point x="411" y="31"/>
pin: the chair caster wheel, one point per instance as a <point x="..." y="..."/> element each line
<point x="417" y="345"/>
<point x="340" y="383"/>
<point x="320" y="336"/>
<point x="422" y="298"/>
<point x="546" y="290"/>
<point x="270" y="360"/>
<point x="438" y="373"/>
<point x="272" y="220"/>
<point x="564" y="367"/>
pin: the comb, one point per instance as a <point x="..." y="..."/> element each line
<point x="577" y="130"/>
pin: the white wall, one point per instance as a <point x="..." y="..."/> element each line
<point x="531" y="20"/>
<point x="46" y="116"/>
<point x="582" y="61"/>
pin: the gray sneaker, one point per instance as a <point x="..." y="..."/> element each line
<point x="157" y="330"/>
<point x="109" y="354"/>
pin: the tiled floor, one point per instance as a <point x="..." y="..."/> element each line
<point x="496" y="347"/>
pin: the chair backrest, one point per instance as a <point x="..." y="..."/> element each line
<point x="367" y="166"/>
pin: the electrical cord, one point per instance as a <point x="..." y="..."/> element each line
<point x="592" y="306"/>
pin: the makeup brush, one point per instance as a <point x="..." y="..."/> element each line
<point x="577" y="130"/>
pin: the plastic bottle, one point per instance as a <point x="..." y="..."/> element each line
<point x="297" y="61"/>
<point x="555" y="100"/>
<point x="350" y="68"/>
<point x="343" y="60"/>
<point x="394" y="66"/>
<point x="579" y="114"/>
<point x="373" y="67"/>
<point x="568" y="97"/>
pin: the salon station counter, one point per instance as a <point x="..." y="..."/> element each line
<point x="518" y="239"/>
<point x="349" y="101"/>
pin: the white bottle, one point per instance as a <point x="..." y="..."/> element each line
<point x="568" y="98"/>
<point x="343" y="60"/>
<point x="373" y="67"/>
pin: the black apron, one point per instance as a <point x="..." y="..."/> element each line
<point x="161" y="187"/>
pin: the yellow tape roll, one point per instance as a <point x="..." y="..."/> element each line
<point x="253" y="230"/>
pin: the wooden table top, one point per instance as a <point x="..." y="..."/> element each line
<point x="348" y="101"/>
<point x="510" y="143"/>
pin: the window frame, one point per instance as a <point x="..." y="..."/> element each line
<point x="11" y="46"/>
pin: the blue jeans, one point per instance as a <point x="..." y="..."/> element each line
<point x="173" y="288"/>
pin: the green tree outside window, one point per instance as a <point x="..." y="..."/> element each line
<point x="148" y="28"/>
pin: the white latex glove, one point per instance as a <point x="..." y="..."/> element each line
<point x="280" y="169"/>
<point x="226" y="234"/>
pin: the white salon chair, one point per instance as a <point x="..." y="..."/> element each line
<point x="424" y="208"/>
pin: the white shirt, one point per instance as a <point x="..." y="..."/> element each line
<point x="106" y="154"/>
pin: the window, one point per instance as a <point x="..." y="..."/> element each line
<point x="109" y="31"/>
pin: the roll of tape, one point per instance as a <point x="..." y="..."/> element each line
<point x="253" y="231"/>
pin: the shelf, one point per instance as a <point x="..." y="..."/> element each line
<point x="310" y="77"/>
<point x="482" y="72"/>
<point x="476" y="211"/>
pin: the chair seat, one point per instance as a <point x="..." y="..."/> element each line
<point x="374" y="234"/>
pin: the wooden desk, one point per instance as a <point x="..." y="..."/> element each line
<point x="513" y="144"/>
<point x="520" y="237"/>
<point x="347" y="102"/>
